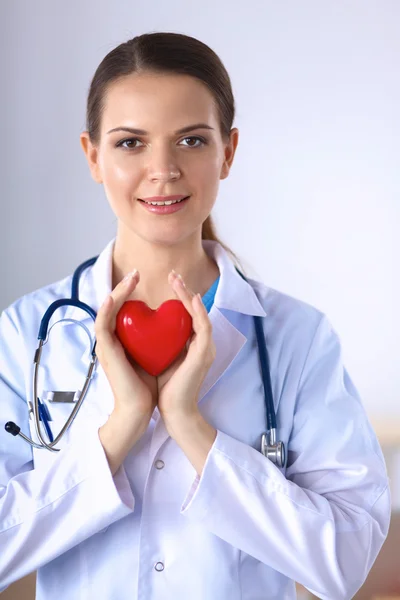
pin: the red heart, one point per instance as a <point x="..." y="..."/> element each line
<point x="153" y="338"/>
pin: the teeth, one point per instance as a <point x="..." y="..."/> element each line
<point x="167" y="203"/>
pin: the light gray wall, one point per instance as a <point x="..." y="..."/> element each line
<point x="312" y="202"/>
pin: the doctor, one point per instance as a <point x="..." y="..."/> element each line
<point x="160" y="490"/>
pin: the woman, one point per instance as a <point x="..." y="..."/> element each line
<point x="160" y="489"/>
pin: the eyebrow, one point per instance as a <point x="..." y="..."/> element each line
<point x="180" y="131"/>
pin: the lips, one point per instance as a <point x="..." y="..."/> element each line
<point x="164" y="200"/>
<point x="165" y="209"/>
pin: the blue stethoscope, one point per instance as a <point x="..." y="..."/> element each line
<point x="270" y="448"/>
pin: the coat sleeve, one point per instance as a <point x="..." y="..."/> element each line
<point x="324" y="523"/>
<point x="45" y="512"/>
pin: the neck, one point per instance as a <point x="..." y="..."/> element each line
<point x="155" y="261"/>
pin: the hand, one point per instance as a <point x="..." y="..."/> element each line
<point x="179" y="385"/>
<point x="134" y="390"/>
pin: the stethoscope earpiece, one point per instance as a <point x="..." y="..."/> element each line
<point x="12" y="428"/>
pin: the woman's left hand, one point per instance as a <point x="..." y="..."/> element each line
<point x="179" y="385"/>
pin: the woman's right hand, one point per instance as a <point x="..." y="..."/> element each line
<point x="135" y="391"/>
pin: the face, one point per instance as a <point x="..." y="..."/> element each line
<point x="161" y="161"/>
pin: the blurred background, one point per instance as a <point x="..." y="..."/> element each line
<point x="312" y="201"/>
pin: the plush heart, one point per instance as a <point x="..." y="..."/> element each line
<point x="153" y="338"/>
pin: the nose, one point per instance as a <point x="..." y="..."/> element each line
<point x="162" y="165"/>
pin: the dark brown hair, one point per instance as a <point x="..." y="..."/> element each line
<point x="164" y="52"/>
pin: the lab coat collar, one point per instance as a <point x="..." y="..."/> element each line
<point x="233" y="293"/>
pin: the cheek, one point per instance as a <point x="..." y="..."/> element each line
<point x="120" y="181"/>
<point x="211" y="180"/>
<point x="212" y="164"/>
<point x="117" y="173"/>
<point x="116" y="168"/>
<point x="207" y="174"/>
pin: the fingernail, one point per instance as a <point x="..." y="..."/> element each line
<point x="175" y="274"/>
<point x="128" y="278"/>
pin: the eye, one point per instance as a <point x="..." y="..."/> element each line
<point x="127" y="140"/>
<point x="198" y="138"/>
<point x="130" y="141"/>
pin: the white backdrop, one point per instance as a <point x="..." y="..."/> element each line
<point x="312" y="201"/>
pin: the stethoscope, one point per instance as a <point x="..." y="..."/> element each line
<point x="270" y="448"/>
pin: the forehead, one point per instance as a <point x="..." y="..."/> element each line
<point x="150" y="101"/>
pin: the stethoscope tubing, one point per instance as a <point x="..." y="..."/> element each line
<point x="73" y="301"/>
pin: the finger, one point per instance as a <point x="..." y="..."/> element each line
<point x="195" y="307"/>
<point x="106" y="317"/>
<point x="184" y="294"/>
<point x="202" y="321"/>
<point x="121" y="293"/>
<point x="192" y="302"/>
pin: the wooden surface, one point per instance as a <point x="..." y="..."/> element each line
<point x="24" y="589"/>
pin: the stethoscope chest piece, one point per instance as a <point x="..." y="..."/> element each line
<point x="273" y="450"/>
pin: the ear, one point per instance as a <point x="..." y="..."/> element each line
<point x="91" y="153"/>
<point x="230" y="150"/>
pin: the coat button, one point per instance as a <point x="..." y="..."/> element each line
<point x="159" y="566"/>
<point x="159" y="464"/>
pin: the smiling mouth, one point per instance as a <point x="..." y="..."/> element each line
<point x="166" y="203"/>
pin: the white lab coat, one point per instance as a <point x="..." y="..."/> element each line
<point x="244" y="530"/>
